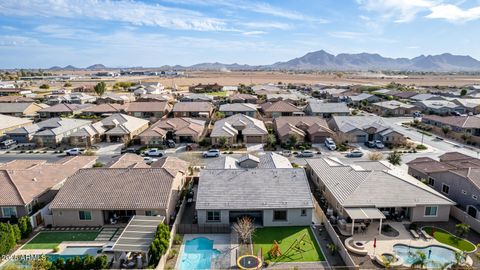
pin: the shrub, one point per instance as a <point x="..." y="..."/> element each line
<point x="56" y="249"/>
<point x="89" y="152"/>
<point x="98" y="164"/>
<point x="395" y="158"/>
<point x="160" y="244"/>
<point x="177" y="239"/>
<point x="421" y="147"/>
<point x="375" y="156"/>
<point x="25" y="226"/>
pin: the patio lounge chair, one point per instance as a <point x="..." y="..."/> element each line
<point x="414" y="234"/>
<point x="426" y="235"/>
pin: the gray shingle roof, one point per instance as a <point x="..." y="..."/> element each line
<point x="226" y="127"/>
<point x="269" y="160"/>
<point x="115" y="188"/>
<point x="320" y="107"/>
<point x="253" y="189"/>
<point x="349" y="123"/>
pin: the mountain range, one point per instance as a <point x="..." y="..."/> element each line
<point x="322" y="60"/>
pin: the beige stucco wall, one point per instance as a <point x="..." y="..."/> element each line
<point x="294" y="218"/>
<point x="418" y="214"/>
<point x="62" y="217"/>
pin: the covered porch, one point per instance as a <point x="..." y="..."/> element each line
<point x="360" y="219"/>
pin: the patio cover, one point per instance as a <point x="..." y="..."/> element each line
<point x="138" y="235"/>
<point x="364" y="213"/>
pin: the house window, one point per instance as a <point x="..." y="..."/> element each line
<point x="85" y="215"/>
<point x="431" y="211"/>
<point x="304" y="212"/>
<point x="445" y="188"/>
<point x="9" y="212"/>
<point x="474" y="197"/>
<point x="431" y="181"/>
<point x="213" y="216"/>
<point x="151" y="213"/>
<point x="29" y="208"/>
<point x="280" y="215"/>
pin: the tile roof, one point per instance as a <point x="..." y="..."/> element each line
<point x="56" y="126"/>
<point x="148" y="107"/>
<point x="23" y="180"/>
<point x="123" y="124"/>
<point x="300" y="124"/>
<point x="115" y="188"/>
<point x="227" y="127"/>
<point x="268" y="160"/>
<point x="106" y="108"/>
<point x="352" y="185"/>
<point x="393" y="104"/>
<point x="457" y="121"/>
<point x="243" y="97"/>
<point x="193" y="107"/>
<point x="128" y="160"/>
<point x="7" y="121"/>
<point x="238" y="107"/>
<point x="321" y="107"/>
<point x="279" y="106"/>
<point x="172" y="164"/>
<point x="17" y="107"/>
<point x="181" y="126"/>
<point x="253" y="189"/>
<point x="19" y="99"/>
<point x="69" y="108"/>
<point x="349" y="123"/>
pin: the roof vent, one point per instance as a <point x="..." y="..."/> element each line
<point x="34" y="179"/>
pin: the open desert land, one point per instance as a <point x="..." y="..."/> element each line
<point x="262" y="77"/>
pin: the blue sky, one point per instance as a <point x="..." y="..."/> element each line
<point x="44" y="33"/>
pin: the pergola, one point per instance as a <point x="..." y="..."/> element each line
<point x="365" y="213"/>
<point x="138" y="235"/>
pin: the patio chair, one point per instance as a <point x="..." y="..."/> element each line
<point x="426" y="235"/>
<point x="414" y="234"/>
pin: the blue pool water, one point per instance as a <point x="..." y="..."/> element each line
<point x="80" y="250"/>
<point x="438" y="256"/>
<point x="198" y="254"/>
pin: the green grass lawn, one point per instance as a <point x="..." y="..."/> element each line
<point x="447" y="238"/>
<point x="49" y="240"/>
<point x="307" y="251"/>
<point x="218" y="94"/>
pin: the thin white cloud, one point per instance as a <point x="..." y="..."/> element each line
<point x="59" y="31"/>
<point x="254" y="33"/>
<point x="266" y="25"/>
<point x="453" y="13"/>
<point x="17" y="41"/>
<point x="399" y="10"/>
<point x="136" y="13"/>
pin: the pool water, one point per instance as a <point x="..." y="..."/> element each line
<point x="80" y="250"/>
<point x="437" y="256"/>
<point x="198" y="254"/>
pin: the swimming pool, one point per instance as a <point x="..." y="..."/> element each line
<point x="198" y="254"/>
<point x="81" y="250"/>
<point x="436" y="255"/>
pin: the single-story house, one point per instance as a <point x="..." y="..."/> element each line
<point x="441" y="107"/>
<point x="148" y="110"/>
<point x="268" y="160"/>
<point x="156" y="98"/>
<point x="272" y="197"/>
<point x="193" y="109"/>
<point x="239" y="128"/>
<point x="362" y="98"/>
<point x="53" y="131"/>
<point x="461" y="127"/>
<point x="280" y="108"/>
<point x="230" y="109"/>
<point x="16" y="99"/>
<point x="305" y="128"/>
<point x="471" y="105"/>
<point x="424" y="97"/>
<point x="74" y="98"/>
<point x="28" y="185"/>
<point x="181" y="130"/>
<point x="360" y="129"/>
<point x="9" y="123"/>
<point x="23" y="109"/>
<point x="455" y="175"/>
<point x="115" y="98"/>
<point x="105" y="109"/>
<point x="88" y="135"/>
<point x="14" y="91"/>
<point x="394" y="108"/>
<point x="403" y="94"/>
<point x="205" y="88"/>
<point x="194" y="97"/>
<point x="123" y="128"/>
<point x="376" y="189"/>
<point x="326" y="110"/>
<point x="243" y="98"/>
<point x="63" y="110"/>
<point x="99" y="196"/>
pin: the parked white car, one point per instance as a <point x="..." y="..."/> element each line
<point x="74" y="152"/>
<point x="154" y="152"/>
<point x="330" y="144"/>
<point x="379" y="144"/>
<point x="211" y="153"/>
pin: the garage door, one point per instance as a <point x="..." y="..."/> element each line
<point x="361" y="138"/>
<point x="253" y="139"/>
<point x="319" y="139"/>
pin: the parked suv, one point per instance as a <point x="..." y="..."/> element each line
<point x="74" y="152"/>
<point x="154" y="152"/>
<point x="306" y="153"/>
<point x="170" y="143"/>
<point x="7" y="143"/>
<point x="370" y="144"/>
<point x="330" y="144"/>
<point x="211" y="153"/>
<point x="379" y="144"/>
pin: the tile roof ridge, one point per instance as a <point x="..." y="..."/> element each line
<point x="9" y="176"/>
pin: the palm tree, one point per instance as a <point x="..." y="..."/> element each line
<point x="420" y="260"/>
<point x="462" y="229"/>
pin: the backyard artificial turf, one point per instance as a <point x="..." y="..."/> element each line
<point x="49" y="240"/>
<point x="308" y="250"/>
<point x="447" y="238"/>
<point x="217" y="94"/>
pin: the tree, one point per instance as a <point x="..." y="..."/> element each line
<point x="44" y="86"/>
<point x="395" y="158"/>
<point x="88" y="262"/>
<point x="101" y="262"/>
<point x="463" y="92"/>
<point x="222" y="141"/>
<point x="25" y="226"/>
<point x="244" y="228"/>
<point x="460" y="258"/>
<point x="160" y="244"/>
<point x="420" y="260"/>
<point x="446" y="129"/>
<point x="462" y="229"/>
<point x="100" y="88"/>
<point x="271" y="140"/>
<point x="292" y="141"/>
<point x="219" y="115"/>
<point x="41" y="264"/>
